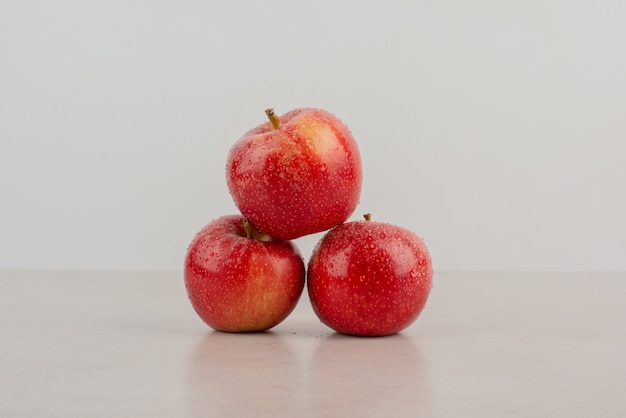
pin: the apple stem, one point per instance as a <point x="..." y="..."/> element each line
<point x="253" y="233"/>
<point x="368" y="216"/>
<point x="273" y="118"/>
<point x="247" y="226"/>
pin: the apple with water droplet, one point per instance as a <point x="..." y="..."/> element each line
<point x="239" y="279"/>
<point x="296" y="174"/>
<point x="369" y="278"/>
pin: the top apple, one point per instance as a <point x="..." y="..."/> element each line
<point x="296" y="174"/>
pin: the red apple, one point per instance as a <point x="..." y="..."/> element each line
<point x="238" y="279"/>
<point x="296" y="174"/>
<point x="369" y="278"/>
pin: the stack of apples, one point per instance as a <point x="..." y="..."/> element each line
<point x="295" y="175"/>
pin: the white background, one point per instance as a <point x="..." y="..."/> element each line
<point x="494" y="130"/>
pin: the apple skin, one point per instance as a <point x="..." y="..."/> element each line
<point x="369" y="278"/>
<point x="297" y="179"/>
<point x="241" y="284"/>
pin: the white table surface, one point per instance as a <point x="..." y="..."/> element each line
<point x="128" y="344"/>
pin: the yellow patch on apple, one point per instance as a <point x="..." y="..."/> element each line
<point x="320" y="138"/>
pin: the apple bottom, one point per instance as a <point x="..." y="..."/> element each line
<point x="369" y="316"/>
<point x="237" y="283"/>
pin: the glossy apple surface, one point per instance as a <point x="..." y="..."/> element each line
<point x="296" y="174"/>
<point x="239" y="280"/>
<point x="369" y="278"/>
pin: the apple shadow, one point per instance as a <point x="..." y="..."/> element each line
<point x="241" y="374"/>
<point x="373" y="374"/>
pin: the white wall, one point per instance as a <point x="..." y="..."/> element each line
<point x="495" y="130"/>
